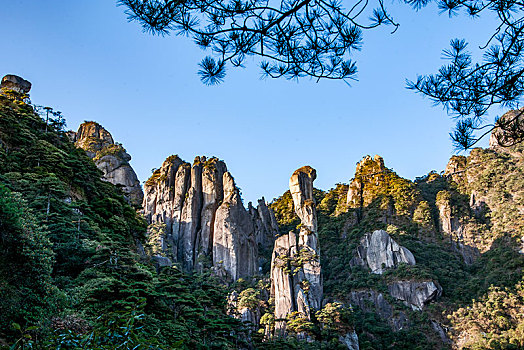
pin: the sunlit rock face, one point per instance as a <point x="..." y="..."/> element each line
<point x="369" y="173"/>
<point x="415" y="294"/>
<point x="15" y="83"/>
<point x="296" y="279"/>
<point x="110" y="157"/>
<point x="379" y="251"/>
<point x="197" y="218"/>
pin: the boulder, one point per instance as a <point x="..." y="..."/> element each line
<point x="379" y="251"/>
<point x="415" y="294"/>
<point x="15" y="83"/>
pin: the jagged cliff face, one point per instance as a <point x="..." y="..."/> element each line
<point x="296" y="278"/>
<point x="111" y="158"/>
<point x="197" y="218"/>
<point x="266" y="226"/>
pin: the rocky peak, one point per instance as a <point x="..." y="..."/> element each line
<point x="110" y="157"/>
<point x="301" y="188"/>
<point x="92" y="138"/>
<point x="266" y="226"/>
<point x="296" y="279"/>
<point x="234" y="242"/>
<point x="15" y="83"/>
<point x="197" y="218"/>
<point x="369" y="173"/>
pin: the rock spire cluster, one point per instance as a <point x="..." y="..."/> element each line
<point x="197" y="218"/>
<point x="296" y="278"/>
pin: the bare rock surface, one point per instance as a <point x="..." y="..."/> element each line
<point x="350" y="340"/>
<point x="415" y="294"/>
<point x="234" y="244"/>
<point x="266" y="226"/>
<point x="15" y="83"/>
<point x="110" y="157"/>
<point x="379" y="251"/>
<point x="296" y="277"/>
<point x="206" y="224"/>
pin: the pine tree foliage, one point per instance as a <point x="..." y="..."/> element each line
<point x="292" y="38"/>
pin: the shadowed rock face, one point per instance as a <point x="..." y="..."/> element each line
<point x="373" y="301"/>
<point x="197" y="218"/>
<point x="234" y="244"/>
<point x="112" y="159"/>
<point x="296" y="279"/>
<point x="379" y="251"/>
<point x="266" y="226"/>
<point x="513" y="126"/>
<point x="15" y="83"/>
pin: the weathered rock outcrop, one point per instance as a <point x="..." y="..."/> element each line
<point x="110" y="157"/>
<point x="15" y="83"/>
<point x="415" y="294"/>
<point x="201" y="217"/>
<point x="379" y="251"/>
<point x="296" y="279"/>
<point x="350" y="340"/>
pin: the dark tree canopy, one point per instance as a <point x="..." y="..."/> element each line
<point x="315" y="38"/>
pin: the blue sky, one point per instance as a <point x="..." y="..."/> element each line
<point x="87" y="61"/>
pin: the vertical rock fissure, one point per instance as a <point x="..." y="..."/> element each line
<point x="196" y="217"/>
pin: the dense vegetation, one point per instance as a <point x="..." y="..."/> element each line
<point x="69" y="274"/>
<point x="71" y="277"/>
<point x="481" y="302"/>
